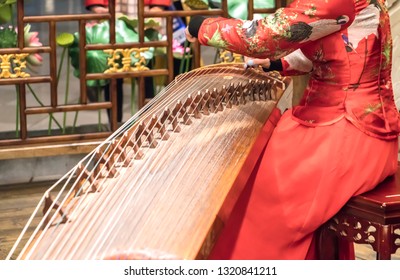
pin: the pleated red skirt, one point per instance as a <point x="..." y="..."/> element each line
<point x="302" y="178"/>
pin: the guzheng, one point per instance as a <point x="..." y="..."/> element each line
<point x="159" y="187"/>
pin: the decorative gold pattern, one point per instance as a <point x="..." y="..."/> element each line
<point x="18" y="60"/>
<point x="115" y="56"/>
<point x="229" y="57"/>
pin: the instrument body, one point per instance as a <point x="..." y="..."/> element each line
<point x="160" y="186"/>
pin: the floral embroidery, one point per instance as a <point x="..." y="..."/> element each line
<point x="311" y="12"/>
<point x="372" y="108"/>
<point x="227" y="28"/>
<point x="387" y="51"/>
<point x="216" y="40"/>
<point x="279" y="23"/>
<point x="348" y="45"/>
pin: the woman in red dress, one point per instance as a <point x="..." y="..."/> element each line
<point x="340" y="141"/>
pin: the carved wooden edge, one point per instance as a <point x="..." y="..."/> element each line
<point x="210" y="240"/>
<point x="384" y="239"/>
<point x="48" y="149"/>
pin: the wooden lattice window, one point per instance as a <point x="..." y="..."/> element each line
<point x="14" y="72"/>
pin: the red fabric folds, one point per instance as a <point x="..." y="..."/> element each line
<point x="304" y="176"/>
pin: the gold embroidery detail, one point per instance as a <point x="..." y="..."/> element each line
<point x="371" y="108"/>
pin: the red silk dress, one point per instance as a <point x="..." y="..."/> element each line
<point x="341" y="140"/>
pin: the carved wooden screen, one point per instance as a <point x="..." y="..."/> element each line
<point x="14" y="70"/>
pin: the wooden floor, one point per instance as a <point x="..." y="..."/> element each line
<point x="17" y="202"/>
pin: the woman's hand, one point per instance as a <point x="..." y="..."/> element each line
<point x="250" y="62"/>
<point x="189" y="36"/>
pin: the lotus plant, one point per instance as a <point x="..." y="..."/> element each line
<point x="6" y="10"/>
<point x="31" y="39"/>
<point x="8" y="39"/>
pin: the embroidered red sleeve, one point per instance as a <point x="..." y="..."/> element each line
<point x="281" y="33"/>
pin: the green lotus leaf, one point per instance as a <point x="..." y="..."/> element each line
<point x="8" y="38"/>
<point x="152" y="35"/>
<point x="65" y="39"/>
<point x="6" y="10"/>
<point x="197" y="4"/>
<point x="151" y="27"/>
<point x="149" y="23"/>
<point x="238" y="8"/>
<point x="124" y="34"/>
<point x="5" y="14"/>
<point x="7" y="2"/>
<point x="96" y="60"/>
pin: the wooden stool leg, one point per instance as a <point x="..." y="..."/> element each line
<point x="327" y="244"/>
<point x="383" y="256"/>
<point x="383" y="250"/>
